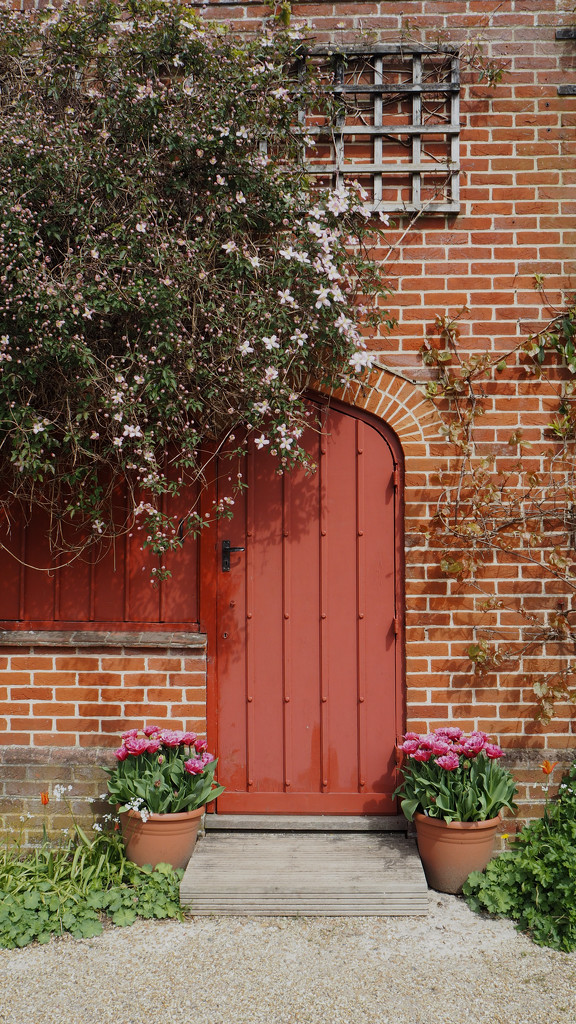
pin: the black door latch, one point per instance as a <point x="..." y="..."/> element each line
<point x="226" y="552"/>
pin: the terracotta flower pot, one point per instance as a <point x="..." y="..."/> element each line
<point x="163" y="838"/>
<point x="450" y="852"/>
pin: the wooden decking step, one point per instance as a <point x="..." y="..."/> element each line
<point x="305" y="873"/>
<point x="306" y="823"/>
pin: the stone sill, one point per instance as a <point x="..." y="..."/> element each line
<point x="96" y="638"/>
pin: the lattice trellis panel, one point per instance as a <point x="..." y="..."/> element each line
<point x="394" y="125"/>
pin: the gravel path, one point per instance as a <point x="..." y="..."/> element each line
<point x="453" y="967"/>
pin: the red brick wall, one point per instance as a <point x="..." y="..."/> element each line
<point x="517" y="219"/>
<point x="86" y="696"/>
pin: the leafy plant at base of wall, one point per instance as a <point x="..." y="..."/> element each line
<point x="534" y="883"/>
<point x="171" y="276"/>
<point x="511" y="505"/>
<point x="72" y="888"/>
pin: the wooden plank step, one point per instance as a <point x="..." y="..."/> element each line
<point x="306" y="823"/>
<point x="288" y="873"/>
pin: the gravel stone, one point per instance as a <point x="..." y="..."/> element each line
<point x="452" y="966"/>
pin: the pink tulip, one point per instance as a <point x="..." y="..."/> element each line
<point x="136" y="745"/>
<point x="189" y="738"/>
<point x="193" y="766"/>
<point x="493" y="751"/>
<point x="121" y="754"/>
<point x="440" y="747"/>
<point x="422" y="755"/>
<point x="449" y="762"/>
<point x="171" y="738"/>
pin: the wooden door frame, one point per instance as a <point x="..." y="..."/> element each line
<point x="209" y="565"/>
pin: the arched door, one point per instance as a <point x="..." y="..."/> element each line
<point x="305" y="706"/>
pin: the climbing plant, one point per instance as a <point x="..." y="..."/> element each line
<point x="512" y="505"/>
<point x="170" y="277"/>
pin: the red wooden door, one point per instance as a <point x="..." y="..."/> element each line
<point x="307" y="660"/>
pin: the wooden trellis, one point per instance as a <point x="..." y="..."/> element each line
<point x="394" y="125"/>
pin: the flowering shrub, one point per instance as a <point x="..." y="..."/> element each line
<point x="169" y="273"/>
<point x="455" y="776"/>
<point x="162" y="771"/>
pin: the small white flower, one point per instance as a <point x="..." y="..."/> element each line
<point x="230" y="246"/>
<point x="299" y="337"/>
<point x="245" y="348"/>
<point x="338" y="201"/>
<point x="220" y="180"/>
<point x="141" y="226"/>
<point x="286" y="298"/>
<point x="360" y="361"/>
<point x="270" y="374"/>
<point x="270" y="342"/>
<point x="131" y="431"/>
<point x="323" y="297"/>
<point x="240" y="197"/>
<point x="261" y="441"/>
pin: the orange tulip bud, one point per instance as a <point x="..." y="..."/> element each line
<point x="548" y="766"/>
<point x="44" y="798"/>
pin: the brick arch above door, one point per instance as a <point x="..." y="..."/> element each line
<point x="402" y="404"/>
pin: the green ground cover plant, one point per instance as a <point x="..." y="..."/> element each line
<point x="76" y="886"/>
<point x="534" y="883"/>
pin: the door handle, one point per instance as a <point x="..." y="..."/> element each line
<point x="226" y="552"/>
